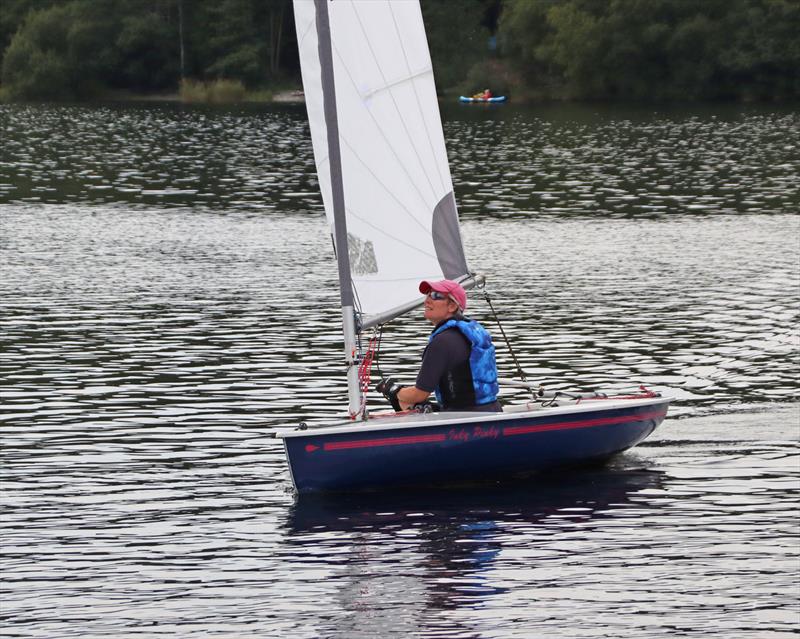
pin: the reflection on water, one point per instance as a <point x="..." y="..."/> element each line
<point x="454" y="539"/>
<point x="693" y="541"/>
<point x="190" y="535"/>
<point x="168" y="298"/>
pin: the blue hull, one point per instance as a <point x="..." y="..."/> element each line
<point x="468" y="446"/>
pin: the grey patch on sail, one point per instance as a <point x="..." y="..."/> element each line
<point x="447" y="238"/>
<point x="362" y="256"/>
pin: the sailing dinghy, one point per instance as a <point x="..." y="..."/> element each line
<point x="388" y="196"/>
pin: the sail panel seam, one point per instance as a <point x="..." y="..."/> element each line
<point x="389" y="235"/>
<point x="389" y="145"/>
<point x="428" y="136"/>
<point x="394" y="83"/>
<point x="386" y="189"/>
<point x="400" y="112"/>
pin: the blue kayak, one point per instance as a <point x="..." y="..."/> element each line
<point x="499" y="98"/>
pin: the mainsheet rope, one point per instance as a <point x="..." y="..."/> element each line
<point x="374" y="346"/>
<point x="372" y="356"/>
<point x="520" y="372"/>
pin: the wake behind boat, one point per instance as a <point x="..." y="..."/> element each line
<point x="388" y="196"/>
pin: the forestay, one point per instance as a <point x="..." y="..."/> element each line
<point x="401" y="218"/>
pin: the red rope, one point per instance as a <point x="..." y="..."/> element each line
<point x="365" y="369"/>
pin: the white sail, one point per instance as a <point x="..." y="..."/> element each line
<point x="401" y="219"/>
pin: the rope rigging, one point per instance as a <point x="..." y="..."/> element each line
<point x="520" y="372"/>
<point x="365" y="368"/>
<point x="370" y="356"/>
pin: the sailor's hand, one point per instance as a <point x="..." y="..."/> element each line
<point x="389" y="388"/>
<point x="385" y="384"/>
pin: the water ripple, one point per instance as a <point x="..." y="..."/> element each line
<point x="160" y="318"/>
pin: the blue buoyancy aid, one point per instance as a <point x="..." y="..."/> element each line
<point x="482" y="364"/>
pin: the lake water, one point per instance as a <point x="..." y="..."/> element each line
<point x="168" y="297"/>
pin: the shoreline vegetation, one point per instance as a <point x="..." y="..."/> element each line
<point x="533" y="51"/>
<point x="198" y="93"/>
<point x="233" y="93"/>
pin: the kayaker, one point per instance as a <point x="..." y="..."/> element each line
<point x="458" y="364"/>
<point x="483" y="95"/>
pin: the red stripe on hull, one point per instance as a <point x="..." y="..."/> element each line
<point x="508" y="431"/>
<point x="389" y="441"/>
<point x="586" y="423"/>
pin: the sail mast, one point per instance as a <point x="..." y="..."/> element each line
<point x="337" y="189"/>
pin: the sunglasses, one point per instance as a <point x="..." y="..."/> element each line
<point x="437" y="296"/>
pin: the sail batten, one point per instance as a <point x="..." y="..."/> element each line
<point x="399" y="211"/>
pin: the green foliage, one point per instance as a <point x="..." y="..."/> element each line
<point x="242" y="62"/>
<point x="240" y="39"/>
<point x="760" y="58"/>
<point x="12" y="15"/>
<point x="491" y="73"/>
<point x="586" y="49"/>
<point x="73" y="49"/>
<point x="233" y="43"/>
<point x="147" y="50"/>
<point x="37" y="63"/>
<point x="92" y="30"/>
<point x="578" y="39"/>
<point x="68" y="49"/>
<point x="655" y="49"/>
<point x="456" y="38"/>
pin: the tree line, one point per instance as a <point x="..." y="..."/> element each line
<point x="534" y="49"/>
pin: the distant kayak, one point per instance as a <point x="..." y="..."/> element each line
<point x="499" y="98"/>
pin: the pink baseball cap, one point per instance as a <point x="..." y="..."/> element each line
<point x="453" y="289"/>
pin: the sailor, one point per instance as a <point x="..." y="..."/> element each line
<point x="458" y="364"/>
